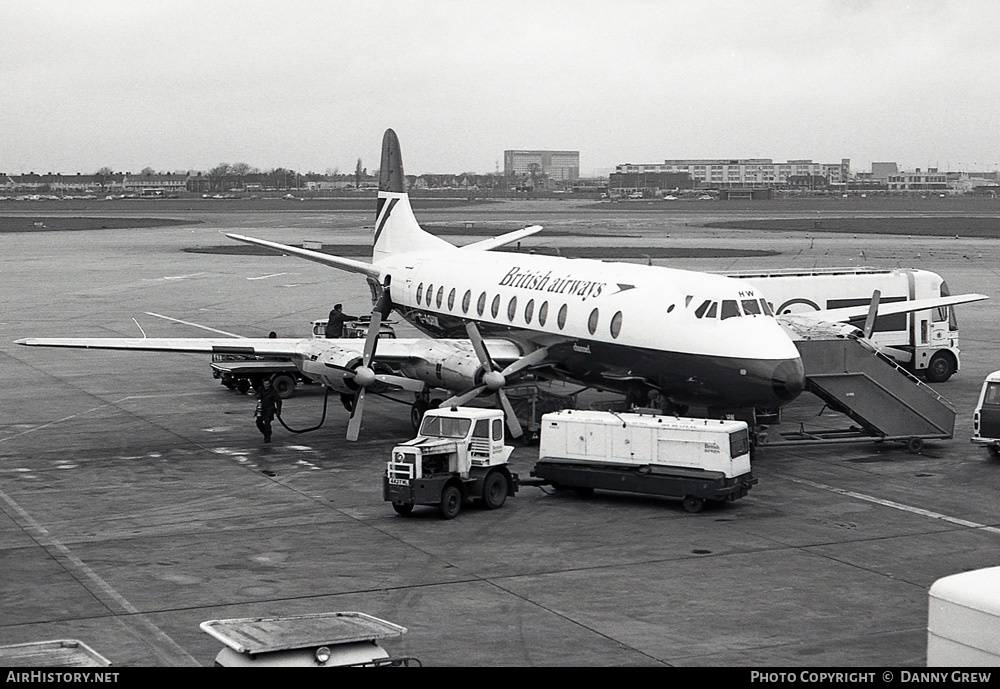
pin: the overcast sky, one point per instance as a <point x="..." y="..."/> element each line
<point x="312" y="85"/>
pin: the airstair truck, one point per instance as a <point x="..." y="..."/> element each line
<point x="458" y="455"/>
<point x="695" y="460"/>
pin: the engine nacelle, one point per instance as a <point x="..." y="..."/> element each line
<point x="337" y="379"/>
<point x="454" y="372"/>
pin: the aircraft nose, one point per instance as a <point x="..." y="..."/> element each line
<point x="788" y="379"/>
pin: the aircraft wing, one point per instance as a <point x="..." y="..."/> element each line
<point x="390" y="350"/>
<point x="348" y="264"/>
<point x="884" y="309"/>
<point x="494" y="242"/>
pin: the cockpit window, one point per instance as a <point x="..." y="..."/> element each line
<point x="766" y="308"/>
<point x="729" y="309"/>
<point x="751" y="307"/>
<point x="700" y="311"/>
<point x="713" y="310"/>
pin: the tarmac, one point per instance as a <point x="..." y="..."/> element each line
<point x="137" y="499"/>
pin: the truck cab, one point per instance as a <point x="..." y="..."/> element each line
<point x="986" y="418"/>
<point x="458" y="455"/>
<point x="334" y="639"/>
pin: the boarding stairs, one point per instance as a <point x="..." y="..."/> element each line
<point x="885" y="402"/>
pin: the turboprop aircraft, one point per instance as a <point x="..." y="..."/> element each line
<point x="700" y="339"/>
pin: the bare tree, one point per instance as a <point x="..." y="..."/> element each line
<point x="358" y="174"/>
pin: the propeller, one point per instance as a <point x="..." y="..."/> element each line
<point x="872" y="314"/>
<point x="495" y="380"/>
<point x="364" y="374"/>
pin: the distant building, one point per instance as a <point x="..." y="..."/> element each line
<point x="558" y="166"/>
<point x="932" y="180"/>
<point x="721" y="173"/>
<point x="882" y="171"/>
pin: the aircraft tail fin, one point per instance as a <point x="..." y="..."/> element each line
<point x="396" y="229"/>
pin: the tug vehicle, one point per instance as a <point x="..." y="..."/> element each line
<point x="458" y="455"/>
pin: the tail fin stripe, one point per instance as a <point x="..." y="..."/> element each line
<point x="385" y="217"/>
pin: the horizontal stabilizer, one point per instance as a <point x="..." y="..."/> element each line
<point x="348" y="264"/>
<point x="508" y="238"/>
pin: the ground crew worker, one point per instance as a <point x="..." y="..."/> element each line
<point x="268" y="405"/>
<point x="335" y="321"/>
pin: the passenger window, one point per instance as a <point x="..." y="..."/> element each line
<point x="992" y="394"/>
<point x="729" y="309"/>
<point x="451" y="299"/>
<point x="466" y="301"/>
<point x="751" y="307"/>
<point x="592" y="322"/>
<point x="440" y="296"/>
<point x="497" y="429"/>
<point x="420" y="292"/>
<point x="700" y="311"/>
<point x="616" y="324"/>
<point x="430" y="294"/>
<point x="561" y="318"/>
<point x="481" y="304"/>
<point x="495" y="306"/>
<point x="543" y="313"/>
<point x="713" y="310"/>
<point x="529" y="310"/>
<point x="511" y="308"/>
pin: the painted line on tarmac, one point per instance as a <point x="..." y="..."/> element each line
<point x="49" y="542"/>
<point x="193" y="325"/>
<point x="265" y="277"/>
<point x="93" y="409"/>
<point x="897" y="505"/>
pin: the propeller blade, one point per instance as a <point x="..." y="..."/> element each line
<point x="463" y="397"/>
<point x="479" y="346"/>
<point x="872" y="314"/>
<point x="513" y="425"/>
<point x="354" y="425"/>
<point x="371" y="338"/>
<point x="526" y="361"/>
<point x="402" y="382"/>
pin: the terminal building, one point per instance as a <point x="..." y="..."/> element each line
<point x="726" y="173"/>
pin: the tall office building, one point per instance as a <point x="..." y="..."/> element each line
<point x="560" y="166"/>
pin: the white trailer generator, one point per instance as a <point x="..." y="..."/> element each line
<point x="691" y="459"/>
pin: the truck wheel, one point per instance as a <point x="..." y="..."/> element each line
<point x="284" y="384"/>
<point x="451" y="502"/>
<point x="243" y="385"/>
<point x="914" y="445"/>
<point x="693" y="504"/>
<point x="940" y="368"/>
<point x="495" y="490"/>
<point x="402" y="508"/>
<point x="994" y="450"/>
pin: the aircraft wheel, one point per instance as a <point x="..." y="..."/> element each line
<point x="693" y="504"/>
<point x="402" y="509"/>
<point x="347" y="400"/>
<point x="417" y="414"/>
<point x="940" y="368"/>
<point x="451" y="502"/>
<point x="284" y="384"/>
<point x="495" y="490"/>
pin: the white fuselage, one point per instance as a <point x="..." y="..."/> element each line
<point x="701" y="338"/>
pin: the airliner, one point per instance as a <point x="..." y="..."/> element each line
<point x="700" y="339"/>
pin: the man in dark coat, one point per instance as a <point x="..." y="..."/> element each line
<point x="335" y="322"/>
<point x="269" y="404"/>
